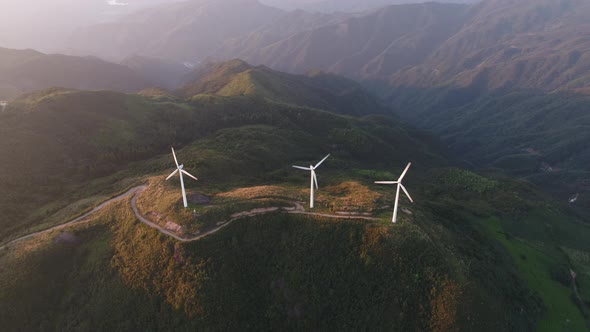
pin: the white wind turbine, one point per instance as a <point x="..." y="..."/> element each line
<point x="314" y="178"/>
<point x="180" y="170"/>
<point x="399" y="186"/>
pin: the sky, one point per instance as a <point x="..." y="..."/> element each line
<point x="45" y="24"/>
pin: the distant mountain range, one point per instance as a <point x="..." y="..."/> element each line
<point x="23" y="71"/>
<point x="46" y="24"/>
<point x="375" y="45"/>
<point x="540" y="44"/>
<point x="497" y="43"/>
<point x="182" y="31"/>
<point x="331" y="6"/>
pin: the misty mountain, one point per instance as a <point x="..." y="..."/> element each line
<point x="496" y="44"/>
<point x="369" y="46"/>
<point x="46" y="24"/>
<point x="183" y="31"/>
<point x="533" y="44"/>
<point x="24" y="71"/>
<point x="161" y="72"/>
<point x="290" y="23"/>
<point x="331" y="6"/>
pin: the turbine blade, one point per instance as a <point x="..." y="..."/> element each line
<point x="188" y="174"/>
<point x="315" y="179"/>
<point x="303" y="168"/>
<point x="406" y="192"/>
<point x="171" y="175"/>
<point x="175" y="160"/>
<point x="326" y="157"/>
<point x="404" y="173"/>
<point x="386" y="182"/>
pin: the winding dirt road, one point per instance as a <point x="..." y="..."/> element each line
<point x="136" y="191"/>
<point x="80" y="218"/>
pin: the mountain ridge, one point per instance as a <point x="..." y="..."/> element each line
<point x="24" y="71"/>
<point x="317" y="89"/>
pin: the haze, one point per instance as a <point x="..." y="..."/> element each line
<point x="44" y="25"/>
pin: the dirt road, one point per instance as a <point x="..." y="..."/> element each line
<point x="80" y="218"/>
<point x="136" y="191"/>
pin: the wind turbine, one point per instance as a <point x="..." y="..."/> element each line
<point x="180" y="170"/>
<point x="399" y="186"/>
<point x="314" y="178"/>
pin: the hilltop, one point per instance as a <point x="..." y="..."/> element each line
<point x="239" y="144"/>
<point x="460" y="256"/>
<point x="316" y="89"/>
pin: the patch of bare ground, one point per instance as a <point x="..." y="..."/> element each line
<point x="260" y="191"/>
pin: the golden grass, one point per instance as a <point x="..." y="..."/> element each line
<point x="164" y="198"/>
<point x="263" y="191"/>
<point x="349" y="196"/>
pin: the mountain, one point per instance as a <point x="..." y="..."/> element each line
<point x="528" y="134"/>
<point x="26" y="24"/>
<point x="474" y="251"/>
<point x="161" y="72"/>
<point x="64" y="138"/>
<point x="182" y="31"/>
<point x="317" y="89"/>
<point x="508" y="44"/>
<point x="288" y="24"/>
<point x="24" y="71"/>
<point x="470" y="253"/>
<point x="331" y="6"/>
<point x="507" y="92"/>
<point x="374" y="45"/>
<point x="496" y="44"/>
<point x="65" y="151"/>
<point x="451" y="68"/>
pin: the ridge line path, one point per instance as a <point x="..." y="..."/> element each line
<point x="80" y="218"/>
<point x="136" y="191"/>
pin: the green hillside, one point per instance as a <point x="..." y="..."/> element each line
<point x="538" y="136"/>
<point x="434" y="271"/>
<point x="317" y="89"/>
<point x="58" y="140"/>
<point x="473" y="252"/>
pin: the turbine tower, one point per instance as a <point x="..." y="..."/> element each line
<point x="180" y="170"/>
<point x="399" y="186"/>
<point x="314" y="178"/>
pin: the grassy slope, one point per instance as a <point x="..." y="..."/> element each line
<point x="295" y="272"/>
<point x="60" y="140"/>
<point x="535" y="261"/>
<point x="317" y="90"/>
<point x="537" y="234"/>
<point x="245" y="141"/>
<point x="442" y="240"/>
<point x="516" y="133"/>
